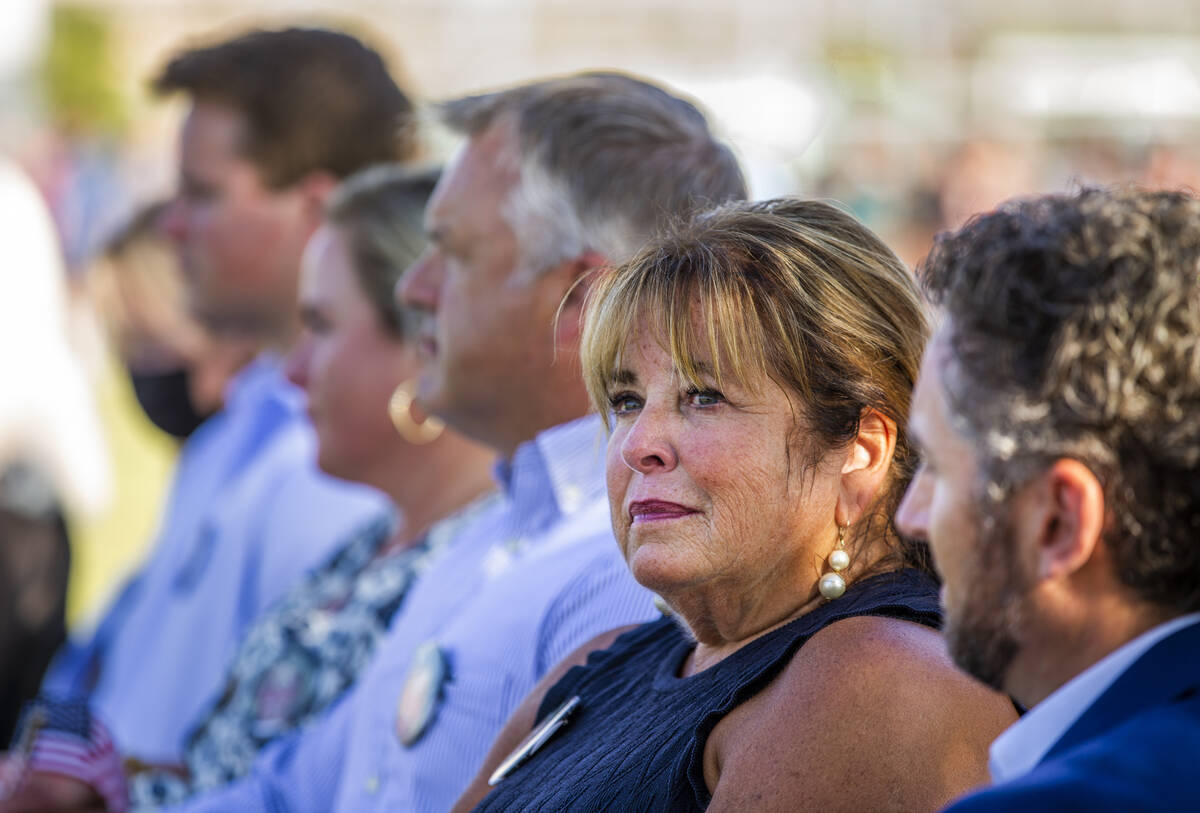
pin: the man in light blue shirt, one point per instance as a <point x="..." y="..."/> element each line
<point x="246" y="516"/>
<point x="556" y="179"/>
<point x="1058" y="407"/>
<point x="261" y="148"/>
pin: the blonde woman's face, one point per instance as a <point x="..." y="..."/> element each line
<point x="347" y="363"/>
<point x="707" y="498"/>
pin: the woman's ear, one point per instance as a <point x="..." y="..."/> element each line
<point x="865" y="466"/>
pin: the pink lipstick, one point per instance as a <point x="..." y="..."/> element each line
<point x="650" y="510"/>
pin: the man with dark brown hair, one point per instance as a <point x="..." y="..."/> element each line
<point x="277" y="118"/>
<point x="312" y="99"/>
<point x="1058" y="408"/>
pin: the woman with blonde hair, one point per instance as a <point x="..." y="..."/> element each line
<point x="356" y="362"/>
<point x="755" y="368"/>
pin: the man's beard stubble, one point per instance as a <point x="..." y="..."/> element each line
<point x="982" y="637"/>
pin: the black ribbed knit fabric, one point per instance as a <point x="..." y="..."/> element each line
<point x="636" y="742"/>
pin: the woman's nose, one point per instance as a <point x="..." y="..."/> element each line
<point x="648" y="446"/>
<point x="295" y="366"/>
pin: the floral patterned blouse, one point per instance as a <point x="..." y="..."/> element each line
<point x="298" y="659"/>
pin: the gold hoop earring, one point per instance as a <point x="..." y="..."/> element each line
<point x="415" y="432"/>
<point x="833" y="584"/>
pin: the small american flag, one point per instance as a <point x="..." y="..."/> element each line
<point x="72" y="742"/>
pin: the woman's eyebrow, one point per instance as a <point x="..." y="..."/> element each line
<point x="624" y="378"/>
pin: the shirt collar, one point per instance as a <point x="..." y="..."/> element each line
<point x="555" y="474"/>
<point x="1021" y="747"/>
<point x="260" y="380"/>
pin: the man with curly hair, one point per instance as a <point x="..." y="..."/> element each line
<point x="1058" y="409"/>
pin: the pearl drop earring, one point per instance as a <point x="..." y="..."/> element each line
<point x="833" y="584"/>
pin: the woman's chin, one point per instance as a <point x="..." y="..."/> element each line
<point x="655" y="567"/>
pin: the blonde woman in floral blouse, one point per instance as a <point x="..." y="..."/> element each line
<point x="355" y="362"/>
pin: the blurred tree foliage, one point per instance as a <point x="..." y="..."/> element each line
<point x="78" y="76"/>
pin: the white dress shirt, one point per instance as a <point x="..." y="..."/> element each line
<point x="1023" y="745"/>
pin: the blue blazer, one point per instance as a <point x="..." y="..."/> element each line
<point x="1137" y="748"/>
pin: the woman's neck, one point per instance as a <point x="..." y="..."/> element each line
<point x="719" y="632"/>
<point x="724" y="620"/>
<point x="452" y="477"/>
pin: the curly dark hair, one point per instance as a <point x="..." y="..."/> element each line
<point x="1074" y="329"/>
<point x="313" y="99"/>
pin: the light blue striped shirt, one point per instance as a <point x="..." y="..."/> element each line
<point x="528" y="582"/>
<point x="248" y="514"/>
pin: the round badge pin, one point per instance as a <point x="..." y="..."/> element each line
<point x="422" y="693"/>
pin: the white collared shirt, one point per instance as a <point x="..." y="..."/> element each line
<point x="1023" y="745"/>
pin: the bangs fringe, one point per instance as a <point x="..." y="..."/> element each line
<point x="701" y="310"/>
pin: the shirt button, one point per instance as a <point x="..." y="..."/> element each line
<point x="372" y="784"/>
<point x="571" y="497"/>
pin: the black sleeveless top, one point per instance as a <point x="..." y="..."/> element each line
<point x="636" y="740"/>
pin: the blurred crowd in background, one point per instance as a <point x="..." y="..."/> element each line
<point x="913" y="114"/>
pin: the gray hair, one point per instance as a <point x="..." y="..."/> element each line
<point x="606" y="161"/>
<point x="1074" y="332"/>
<point x="381" y="211"/>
